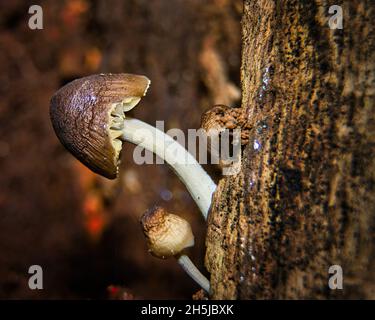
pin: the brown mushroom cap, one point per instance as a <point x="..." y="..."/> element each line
<point x="167" y="234"/>
<point x="87" y="115"/>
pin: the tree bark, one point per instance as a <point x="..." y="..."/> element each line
<point x="305" y="196"/>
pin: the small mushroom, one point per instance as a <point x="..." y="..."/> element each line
<point x="168" y="235"/>
<point x="89" y="118"/>
<point x="227" y="124"/>
<point x="220" y="117"/>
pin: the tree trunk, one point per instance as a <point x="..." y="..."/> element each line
<point x="305" y="197"/>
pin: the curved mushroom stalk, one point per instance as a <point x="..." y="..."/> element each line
<point x="196" y="180"/>
<point x="88" y="115"/>
<point x="190" y="268"/>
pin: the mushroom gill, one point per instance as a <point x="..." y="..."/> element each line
<point x="116" y="124"/>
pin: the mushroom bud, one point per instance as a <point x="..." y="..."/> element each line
<point x="88" y="116"/>
<point x="168" y="235"/>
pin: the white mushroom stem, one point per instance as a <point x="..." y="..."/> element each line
<point x="196" y="180"/>
<point x="190" y="268"/>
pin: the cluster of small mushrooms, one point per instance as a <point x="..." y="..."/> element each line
<point x="89" y="118"/>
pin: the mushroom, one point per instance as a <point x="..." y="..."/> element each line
<point x="222" y="123"/>
<point x="88" y="116"/>
<point x="168" y="235"/>
<point x="220" y="118"/>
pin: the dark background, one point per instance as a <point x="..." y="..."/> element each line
<point x="83" y="229"/>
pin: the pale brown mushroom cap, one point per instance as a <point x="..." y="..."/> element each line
<point x="87" y="115"/>
<point x="167" y="234"/>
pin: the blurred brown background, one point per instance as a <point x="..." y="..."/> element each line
<point x="82" y="229"/>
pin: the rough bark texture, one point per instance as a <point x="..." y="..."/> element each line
<point x="305" y="197"/>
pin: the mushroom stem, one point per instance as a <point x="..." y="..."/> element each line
<point x="197" y="181"/>
<point x="190" y="268"/>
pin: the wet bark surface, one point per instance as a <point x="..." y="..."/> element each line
<point x="305" y="197"/>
